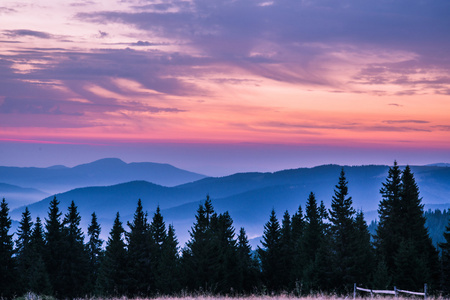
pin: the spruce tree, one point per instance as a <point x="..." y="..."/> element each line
<point x="54" y="248"/>
<point x="270" y="254"/>
<point x="286" y="252"/>
<point x="313" y="240"/>
<point x="247" y="266"/>
<point x="402" y="238"/>
<point x="158" y="237"/>
<point x="388" y="236"/>
<point x="8" y="275"/>
<point x="39" y="282"/>
<point x="343" y="233"/>
<point x="75" y="259"/>
<point x="24" y="251"/>
<point x="139" y="258"/>
<point x="198" y="259"/>
<point x="415" y="233"/>
<point x="445" y="261"/>
<point x="363" y="255"/>
<point x="112" y="280"/>
<point x="167" y="281"/>
<point x="224" y="246"/>
<point x="298" y="227"/>
<point x="95" y="252"/>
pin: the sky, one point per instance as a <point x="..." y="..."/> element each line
<point x="225" y="86"/>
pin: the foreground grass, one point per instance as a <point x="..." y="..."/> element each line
<point x="254" y="297"/>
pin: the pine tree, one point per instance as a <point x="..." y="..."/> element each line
<point x="298" y="262"/>
<point x="247" y="266"/>
<point x="313" y="240"/>
<point x="270" y="255"/>
<point x="139" y="258"/>
<point x="445" y="261"/>
<point x="388" y="236"/>
<point x="364" y="253"/>
<point x="415" y="232"/>
<point x="158" y="238"/>
<point x="168" y="276"/>
<point x="198" y="259"/>
<point x="24" y="251"/>
<point x="112" y="279"/>
<point x="343" y="234"/>
<point x="313" y="233"/>
<point x="8" y="275"/>
<point x="286" y="252"/>
<point x="75" y="260"/>
<point x="402" y="234"/>
<point x="54" y="248"/>
<point x="95" y="252"/>
<point x="39" y="280"/>
<point x="224" y="245"/>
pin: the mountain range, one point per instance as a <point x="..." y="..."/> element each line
<point x="249" y="197"/>
<point x="34" y="184"/>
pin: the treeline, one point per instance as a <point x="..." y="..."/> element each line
<point x="326" y="250"/>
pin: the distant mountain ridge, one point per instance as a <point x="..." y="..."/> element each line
<point x="18" y="196"/>
<point x="248" y="197"/>
<point x="108" y="171"/>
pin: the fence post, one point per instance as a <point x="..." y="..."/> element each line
<point x="425" y="292"/>
<point x="395" y="291"/>
<point x="354" y="291"/>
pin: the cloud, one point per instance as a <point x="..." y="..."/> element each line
<point x="102" y="34"/>
<point x="296" y="41"/>
<point x="26" y="32"/>
<point x="7" y="10"/>
<point x="144" y="43"/>
<point x="406" y="121"/>
<point x="33" y="106"/>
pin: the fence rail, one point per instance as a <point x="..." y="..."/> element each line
<point x="394" y="292"/>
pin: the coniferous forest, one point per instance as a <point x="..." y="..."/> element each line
<point x="316" y="249"/>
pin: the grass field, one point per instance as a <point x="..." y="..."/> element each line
<point x="284" y="297"/>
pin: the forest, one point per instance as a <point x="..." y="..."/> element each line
<point x="317" y="249"/>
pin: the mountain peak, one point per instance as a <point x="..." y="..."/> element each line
<point x="104" y="162"/>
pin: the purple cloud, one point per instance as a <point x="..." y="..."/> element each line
<point x="26" y="32"/>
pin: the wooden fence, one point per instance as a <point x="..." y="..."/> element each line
<point x="395" y="292"/>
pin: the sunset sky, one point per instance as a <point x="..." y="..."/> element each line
<point x="220" y="86"/>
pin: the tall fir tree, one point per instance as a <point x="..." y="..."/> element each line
<point x="388" y="235"/>
<point x="445" y="261"/>
<point x="75" y="259"/>
<point x="364" y="256"/>
<point x="415" y="235"/>
<point x="168" y="280"/>
<point x="313" y="245"/>
<point x="139" y="258"/>
<point x="224" y="245"/>
<point x="402" y="239"/>
<point x="54" y="248"/>
<point x="343" y="242"/>
<point x="247" y="265"/>
<point x="8" y="275"/>
<point x="270" y="254"/>
<point x="112" y="280"/>
<point x="95" y="252"/>
<point x="298" y="260"/>
<point x="158" y="237"/>
<point x="286" y="252"/>
<point x="24" y="252"/>
<point x="198" y="259"/>
<point x="39" y="282"/>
